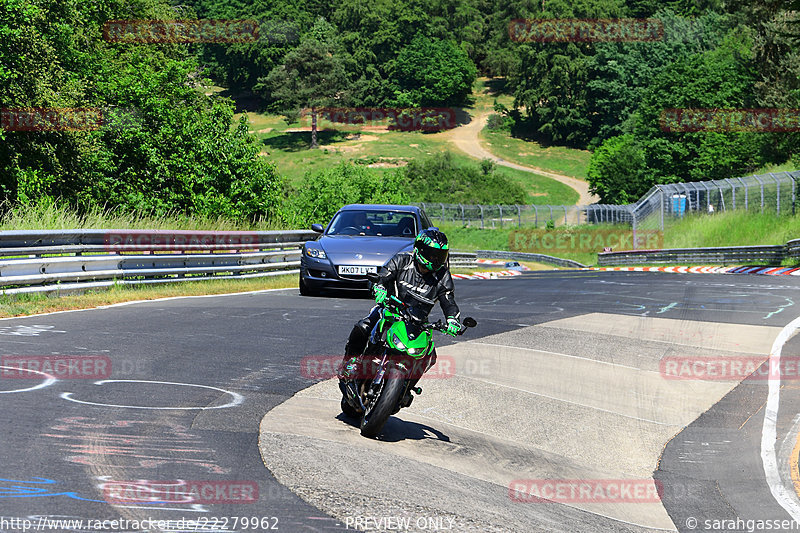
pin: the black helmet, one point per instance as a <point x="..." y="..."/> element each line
<point x="430" y="248"/>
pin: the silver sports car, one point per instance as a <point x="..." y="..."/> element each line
<point x="360" y="239"/>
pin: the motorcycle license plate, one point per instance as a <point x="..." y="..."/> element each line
<point x="357" y="270"/>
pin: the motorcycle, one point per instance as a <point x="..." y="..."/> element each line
<point x="403" y="351"/>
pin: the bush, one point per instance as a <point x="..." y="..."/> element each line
<point x="441" y="179"/>
<point x="324" y="192"/>
<point x="615" y="171"/>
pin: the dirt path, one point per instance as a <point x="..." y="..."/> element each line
<point x="467" y="139"/>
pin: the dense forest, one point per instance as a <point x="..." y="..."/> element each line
<point x="165" y="146"/>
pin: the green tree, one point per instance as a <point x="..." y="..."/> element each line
<point x="325" y="191"/>
<point x="163" y="145"/>
<point x="619" y="72"/>
<point x="549" y="80"/>
<point x="311" y="76"/>
<point x="615" y="171"/>
<point x="430" y="72"/>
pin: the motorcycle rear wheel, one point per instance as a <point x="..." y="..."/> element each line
<point x="376" y="415"/>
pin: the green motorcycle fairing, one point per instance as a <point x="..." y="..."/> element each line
<point x="398" y="337"/>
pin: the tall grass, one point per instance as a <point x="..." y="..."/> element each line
<point x="50" y="215"/>
<point x="732" y="228"/>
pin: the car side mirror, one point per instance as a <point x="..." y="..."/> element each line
<point x="317" y="227"/>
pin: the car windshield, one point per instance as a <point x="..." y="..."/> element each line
<point x="374" y="223"/>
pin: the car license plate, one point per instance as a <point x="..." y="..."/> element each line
<point x="356" y="270"/>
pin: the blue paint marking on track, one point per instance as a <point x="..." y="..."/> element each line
<point x="19" y="491"/>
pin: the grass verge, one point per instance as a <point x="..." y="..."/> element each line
<point x="557" y="159"/>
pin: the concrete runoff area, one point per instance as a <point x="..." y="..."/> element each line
<point x="518" y="406"/>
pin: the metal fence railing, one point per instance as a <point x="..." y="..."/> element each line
<point x="731" y="255"/>
<point x="68" y="260"/>
<point x="504" y="216"/>
<point x="660" y="207"/>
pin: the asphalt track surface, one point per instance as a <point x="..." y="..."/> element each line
<point x="191" y="379"/>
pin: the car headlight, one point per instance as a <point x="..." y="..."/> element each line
<point x="316" y="253"/>
<point x="397" y="343"/>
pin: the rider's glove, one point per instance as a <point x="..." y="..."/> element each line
<point x="380" y="294"/>
<point x="453" y="326"/>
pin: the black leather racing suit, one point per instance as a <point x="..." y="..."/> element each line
<point x="401" y="278"/>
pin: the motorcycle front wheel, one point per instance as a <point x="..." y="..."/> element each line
<point x="379" y="410"/>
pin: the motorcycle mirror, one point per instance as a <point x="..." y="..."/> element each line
<point x="470" y="322"/>
<point x="374" y="278"/>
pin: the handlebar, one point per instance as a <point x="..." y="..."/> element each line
<point x="440" y="325"/>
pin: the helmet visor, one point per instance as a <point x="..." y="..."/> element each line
<point x="437" y="257"/>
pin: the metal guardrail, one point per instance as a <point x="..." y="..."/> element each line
<point x="67" y="260"/>
<point x="793" y="248"/>
<point x="524" y="256"/>
<point x="463" y="260"/>
<point x="769" y="255"/>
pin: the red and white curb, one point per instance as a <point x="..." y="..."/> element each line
<point x="488" y="275"/>
<point x="765" y="271"/>
<point x="499" y="262"/>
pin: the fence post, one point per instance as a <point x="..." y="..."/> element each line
<point x="481" y="208"/>
<point x="733" y="193"/>
<point x="519" y="217"/>
<point x="462" y="213"/>
<point x="441" y="204"/>
<point x="746" y="190"/>
<point x="535" y="216"/>
<point x="551" y="211"/>
<point x="779" y="192"/>
<point x="633" y="223"/>
<point x="501" y="215"/>
<point x="794" y="199"/>
<point x="762" y="191"/>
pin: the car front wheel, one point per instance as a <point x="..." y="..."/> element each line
<point x="305" y="290"/>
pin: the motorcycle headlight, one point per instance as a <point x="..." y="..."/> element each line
<point x="397" y="343"/>
<point x="414" y="351"/>
<point x="316" y="253"/>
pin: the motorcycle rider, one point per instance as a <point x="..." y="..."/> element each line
<point x="419" y="278"/>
